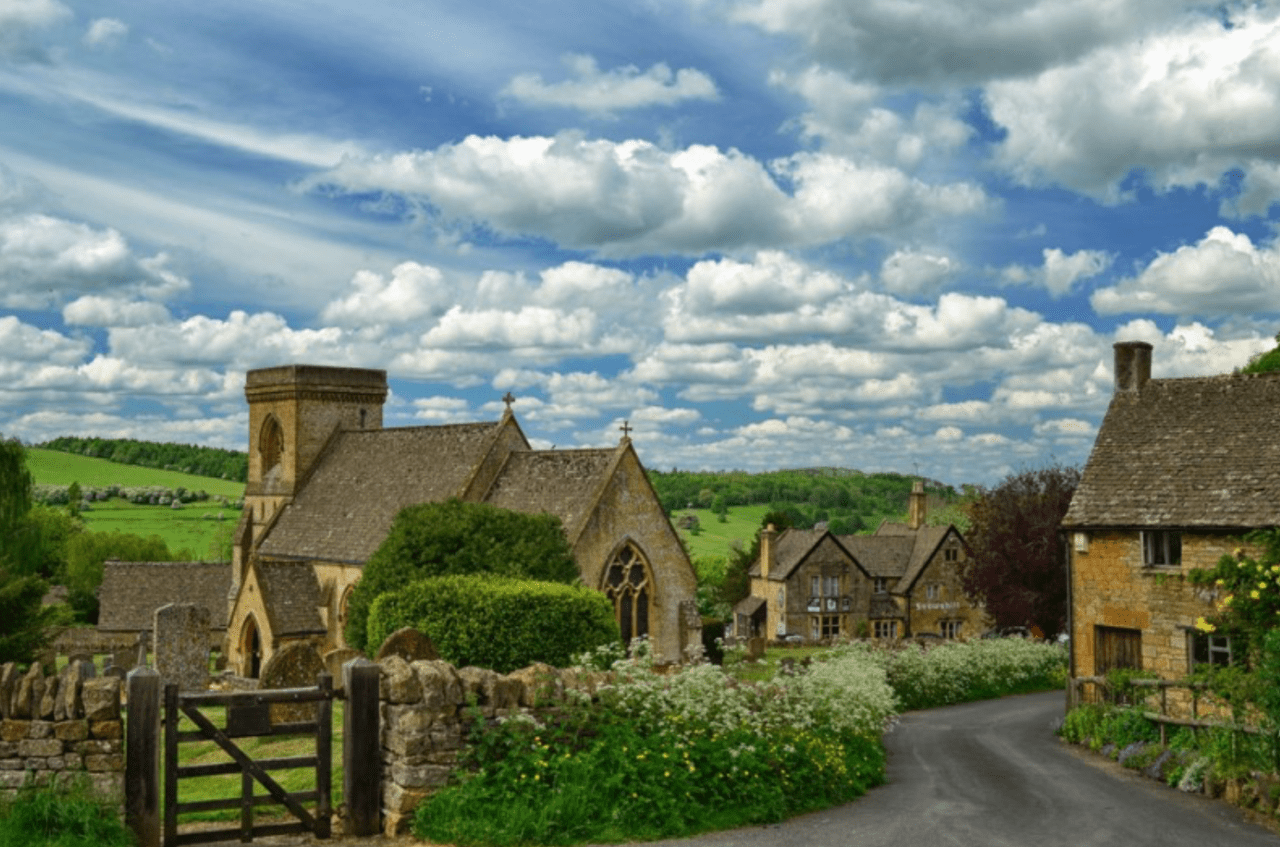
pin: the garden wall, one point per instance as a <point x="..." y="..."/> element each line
<point x="59" y="727"/>
<point x="427" y="712"/>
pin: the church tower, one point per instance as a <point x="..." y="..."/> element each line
<point x="293" y="412"/>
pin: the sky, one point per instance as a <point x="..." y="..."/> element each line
<point x="891" y="235"/>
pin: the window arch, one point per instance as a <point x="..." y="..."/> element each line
<point x="270" y="443"/>
<point x="251" y="648"/>
<point x="628" y="582"/>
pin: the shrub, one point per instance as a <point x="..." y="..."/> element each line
<point x="454" y="538"/>
<point x="959" y="672"/>
<point x="497" y="623"/>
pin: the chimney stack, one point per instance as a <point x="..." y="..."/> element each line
<point x="766" y="550"/>
<point x="917" y="508"/>
<point x="1133" y="365"/>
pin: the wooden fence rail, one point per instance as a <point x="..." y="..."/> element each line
<point x="1162" y="717"/>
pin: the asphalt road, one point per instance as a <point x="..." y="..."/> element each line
<point x="993" y="774"/>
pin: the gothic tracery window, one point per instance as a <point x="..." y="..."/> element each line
<point x="628" y="584"/>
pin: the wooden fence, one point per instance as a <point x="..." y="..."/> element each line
<point x="1104" y="691"/>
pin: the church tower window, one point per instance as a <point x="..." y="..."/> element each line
<point x="628" y="583"/>
<point x="271" y="443"/>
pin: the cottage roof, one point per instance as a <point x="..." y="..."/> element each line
<point x="789" y="549"/>
<point x="363" y="480"/>
<point x="881" y="556"/>
<point x="132" y="591"/>
<point x="561" y="482"/>
<point x="291" y="596"/>
<point x="1185" y="453"/>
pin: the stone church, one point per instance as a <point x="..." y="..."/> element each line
<point x="326" y="480"/>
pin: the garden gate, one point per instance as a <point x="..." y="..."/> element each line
<point x="248" y="714"/>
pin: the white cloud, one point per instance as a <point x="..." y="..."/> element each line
<point x="99" y="311"/>
<point x="443" y="410"/>
<point x="1183" y="105"/>
<point x="532" y="327"/>
<point x="241" y="341"/>
<point x="631" y="197"/>
<point x="1224" y="273"/>
<point x="1060" y="271"/>
<point x="772" y="282"/>
<point x="412" y="292"/>
<point x="909" y="273"/>
<point x="606" y="92"/>
<point x="107" y="33"/>
<point x="20" y="20"/>
<point x="23" y="343"/>
<point x="45" y="261"/>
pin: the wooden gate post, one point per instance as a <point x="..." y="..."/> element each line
<point x="142" y="756"/>
<point x="361" y="748"/>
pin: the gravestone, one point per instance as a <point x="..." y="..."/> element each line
<point x="126" y="658"/>
<point x="295" y="665"/>
<point x="335" y="659"/>
<point x="409" y="644"/>
<point x="181" y="645"/>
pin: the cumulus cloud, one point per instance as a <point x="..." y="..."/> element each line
<point x="106" y="33"/>
<point x="412" y="292"/>
<point x="909" y="273"/>
<point x="1224" y="273"/>
<point x="603" y="93"/>
<point x="949" y="41"/>
<point x="632" y="197"/>
<point x="23" y="343"/>
<point x="1060" y="271"/>
<point x="45" y="261"/>
<point x="110" y="311"/>
<point x="241" y="341"/>
<point x="1183" y="106"/>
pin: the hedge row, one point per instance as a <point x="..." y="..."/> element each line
<point x="497" y="622"/>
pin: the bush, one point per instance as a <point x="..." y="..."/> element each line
<point x="456" y="538"/>
<point x="497" y="623"/>
<point x="66" y="817"/>
<point x="959" y="672"/>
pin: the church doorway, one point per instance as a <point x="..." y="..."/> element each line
<point x="628" y="582"/>
<point x="251" y="648"/>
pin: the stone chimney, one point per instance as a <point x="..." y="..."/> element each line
<point x="1133" y="365"/>
<point x="917" y="508"/>
<point x="767" y="536"/>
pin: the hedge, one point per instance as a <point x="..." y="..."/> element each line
<point x="497" y="622"/>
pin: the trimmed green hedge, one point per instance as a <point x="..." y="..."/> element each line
<point x="496" y="622"/>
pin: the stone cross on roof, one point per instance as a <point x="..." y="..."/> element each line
<point x="626" y="430"/>
<point x="508" y="398"/>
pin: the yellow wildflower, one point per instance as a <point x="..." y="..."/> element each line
<point x="1203" y="625"/>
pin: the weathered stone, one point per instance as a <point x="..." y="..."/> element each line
<point x="441" y="686"/>
<point x="12" y="778"/>
<point x="40" y="729"/>
<point x="422" y="776"/>
<point x="101" y="699"/>
<point x="411" y="718"/>
<point x="106" y="730"/>
<point x="104" y="762"/>
<point x="97" y="747"/>
<point x="398" y="683"/>
<point x="540" y="684"/>
<point x="335" y="659"/>
<point x="42" y="747"/>
<point x="588" y="682"/>
<point x="14" y="730"/>
<point x="180" y="641"/>
<point x="71" y="730"/>
<point x="295" y="665"/>
<point x="126" y="658"/>
<point x="69" y="704"/>
<point x="409" y="644"/>
<point x="399" y="799"/>
<point x="8" y="681"/>
<point x="26" y="703"/>
<point x="48" y="699"/>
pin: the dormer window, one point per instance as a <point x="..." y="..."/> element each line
<point x="1161" y="548"/>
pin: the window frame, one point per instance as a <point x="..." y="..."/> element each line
<point x="1161" y="548"/>
<point x="1214" y="645"/>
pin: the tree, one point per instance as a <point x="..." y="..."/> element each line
<point x="458" y="538"/>
<point x="22" y="620"/>
<point x="16" y="487"/>
<point x="1265" y="362"/>
<point x="736" y="585"/>
<point x="86" y="553"/>
<point x="1017" y="563"/>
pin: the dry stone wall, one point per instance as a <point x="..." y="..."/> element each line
<point x="56" y="728"/>
<point x="427" y="711"/>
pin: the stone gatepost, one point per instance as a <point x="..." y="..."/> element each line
<point x="181" y="645"/>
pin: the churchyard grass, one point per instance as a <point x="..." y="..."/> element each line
<point x="70" y="816"/>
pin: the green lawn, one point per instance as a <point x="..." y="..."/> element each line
<point x="194" y="528"/>
<point x="716" y="539"/>
<point x="52" y="467"/>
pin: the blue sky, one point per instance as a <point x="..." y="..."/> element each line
<point x="889" y="235"/>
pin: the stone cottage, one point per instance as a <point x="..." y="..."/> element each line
<point x="131" y="592"/>
<point x="1180" y="471"/>
<point x="326" y="481"/>
<point x="902" y="581"/>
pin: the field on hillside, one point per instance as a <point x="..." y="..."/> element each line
<point x="194" y="528"/>
<point x="51" y="467"/>
<point x="716" y="539"/>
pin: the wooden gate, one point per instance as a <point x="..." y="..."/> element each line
<point x="249" y="715"/>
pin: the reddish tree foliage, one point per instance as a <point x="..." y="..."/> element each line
<point x="1018" y="562"/>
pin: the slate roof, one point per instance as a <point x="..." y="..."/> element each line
<point x="132" y="591"/>
<point x="364" y="479"/>
<point x="789" y="550"/>
<point x="561" y="482"/>
<point x="291" y="595"/>
<point x="881" y="556"/>
<point x="1185" y="453"/>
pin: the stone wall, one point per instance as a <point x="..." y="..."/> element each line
<point x="56" y="728"/>
<point x="426" y="718"/>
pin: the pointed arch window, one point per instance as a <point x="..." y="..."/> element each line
<point x="270" y="443"/>
<point x="628" y="582"/>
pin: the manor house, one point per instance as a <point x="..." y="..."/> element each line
<point x="326" y="480"/>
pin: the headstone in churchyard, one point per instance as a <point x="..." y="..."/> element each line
<point x="335" y="659"/>
<point x="295" y="665"/>
<point x="181" y="645"/>
<point x="409" y="644"/>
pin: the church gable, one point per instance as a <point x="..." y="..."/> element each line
<point x="560" y="482"/>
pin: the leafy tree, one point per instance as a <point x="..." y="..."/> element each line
<point x="86" y="553"/>
<point x="457" y="538"/>
<point x="1018" y="565"/>
<point x="52" y="529"/>
<point x="16" y="488"/>
<point x="22" y="620"/>
<point x="1264" y="362"/>
<point x="736" y="585"/>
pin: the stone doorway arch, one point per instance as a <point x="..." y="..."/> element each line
<point x="251" y="648"/>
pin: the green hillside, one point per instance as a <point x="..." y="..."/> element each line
<point x="51" y="467"/>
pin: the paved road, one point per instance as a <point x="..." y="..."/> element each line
<point x="993" y="775"/>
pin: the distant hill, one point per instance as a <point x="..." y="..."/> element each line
<point x="231" y="465"/>
<point x="54" y="468"/>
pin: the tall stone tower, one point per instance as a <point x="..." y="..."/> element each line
<point x="293" y="412"/>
